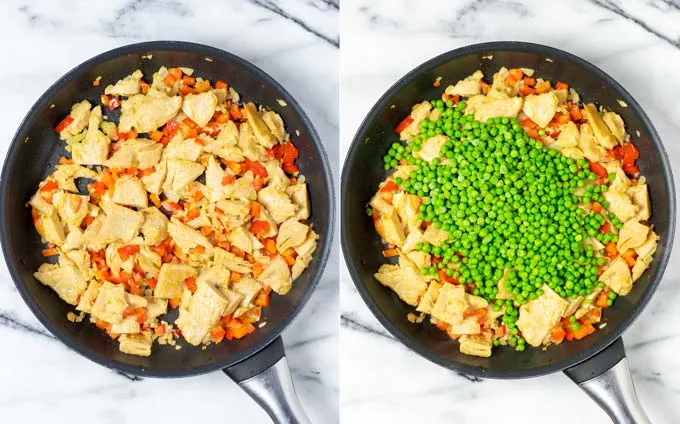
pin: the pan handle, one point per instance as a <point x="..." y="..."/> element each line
<point x="606" y="379"/>
<point x="265" y="376"/>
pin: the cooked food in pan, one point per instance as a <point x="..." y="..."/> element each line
<point x="192" y="201"/>
<point x="515" y="213"/>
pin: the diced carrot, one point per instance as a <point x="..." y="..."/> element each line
<point x="583" y="331"/>
<point x="525" y="91"/>
<point x="127" y="251"/>
<point x="289" y="255"/>
<point x="228" y="179"/>
<point x="257" y="269"/>
<point x="529" y="81"/>
<point x="155" y="200"/>
<point x="610" y="249"/>
<point x="557" y="335"/>
<point x="263" y="297"/>
<point x="629" y="256"/>
<point x="599" y="170"/>
<point x="49" y="186"/>
<point x="390" y="253"/>
<point x="234" y="277"/>
<point x="65" y="161"/>
<point x="235" y="113"/>
<point x="156" y="135"/>
<point x="260" y="228"/>
<point x="219" y="84"/>
<point x="542" y="87"/>
<point x="190" y="283"/>
<point x="52" y="251"/>
<point x="194" y="213"/>
<point x="403" y="124"/>
<point x="270" y="246"/>
<point x="186" y="79"/>
<point x="217" y="334"/>
<point x="239" y="328"/>
<point x="389" y="186"/>
<point x="559" y="85"/>
<point x="510" y="80"/>
<point x="202" y="86"/>
<point x="98" y="188"/>
<point x="174" y="303"/>
<point x="238" y="252"/>
<point x="188" y="132"/>
<point x="255" y="209"/>
<point x="144" y="87"/>
<point x="516" y="73"/>
<point x="174" y="74"/>
<point x="597" y="207"/>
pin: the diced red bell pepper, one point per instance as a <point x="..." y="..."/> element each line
<point x="598" y="169"/>
<point x="256" y="168"/>
<point x="403" y="124"/>
<point x="63" y="124"/>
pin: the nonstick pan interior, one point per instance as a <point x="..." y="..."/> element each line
<point x="36" y="148"/>
<point x="364" y="170"/>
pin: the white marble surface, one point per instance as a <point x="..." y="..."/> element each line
<point x="296" y="42"/>
<point x="634" y="41"/>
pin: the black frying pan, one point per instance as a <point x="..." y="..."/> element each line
<point x="256" y="361"/>
<point x="589" y="362"/>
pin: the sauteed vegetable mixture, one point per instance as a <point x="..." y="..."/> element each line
<point x="516" y="213"/>
<point x="192" y="201"/>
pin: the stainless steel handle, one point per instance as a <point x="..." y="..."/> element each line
<point x="273" y="390"/>
<point x="613" y="390"/>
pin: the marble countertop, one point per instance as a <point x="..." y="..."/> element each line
<point x="635" y="42"/>
<point x="296" y="42"/>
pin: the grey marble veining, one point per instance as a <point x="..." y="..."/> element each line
<point x="636" y="42"/>
<point x="296" y="42"/>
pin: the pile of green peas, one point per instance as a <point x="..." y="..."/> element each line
<point x="510" y="206"/>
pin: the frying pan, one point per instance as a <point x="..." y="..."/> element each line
<point x="257" y="363"/>
<point x="597" y="363"/>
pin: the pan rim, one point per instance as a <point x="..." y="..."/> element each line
<point x="384" y="102"/>
<point x="209" y="52"/>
